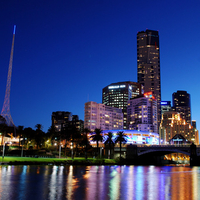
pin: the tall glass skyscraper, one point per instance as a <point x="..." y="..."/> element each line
<point x="117" y="95"/>
<point x="148" y="64"/>
<point x="181" y="104"/>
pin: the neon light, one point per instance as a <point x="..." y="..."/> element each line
<point x="149" y="95"/>
<point x="116" y="86"/>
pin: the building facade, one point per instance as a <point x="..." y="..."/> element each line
<point x="132" y="136"/>
<point x="172" y="124"/>
<point x="75" y="123"/>
<point x="117" y="95"/>
<point x="60" y="118"/>
<point x="148" y="64"/>
<point x="165" y="106"/>
<point x="181" y="104"/>
<point x="142" y="113"/>
<point x="102" y="117"/>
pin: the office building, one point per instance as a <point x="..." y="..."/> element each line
<point x="117" y="94"/>
<point x="75" y="123"/>
<point x="148" y="64"/>
<point x="142" y="113"/>
<point x="102" y="117"/>
<point x="165" y="106"/>
<point x="194" y="124"/>
<point x="181" y="104"/>
<point x="60" y="118"/>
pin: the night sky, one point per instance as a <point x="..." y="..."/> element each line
<point x="66" y="51"/>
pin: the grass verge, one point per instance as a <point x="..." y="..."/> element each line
<point x="76" y="160"/>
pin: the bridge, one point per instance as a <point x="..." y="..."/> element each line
<point x="138" y="152"/>
<point x="166" y="149"/>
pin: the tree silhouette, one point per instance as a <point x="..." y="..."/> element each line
<point x="29" y="135"/>
<point x="3" y="128"/>
<point x="121" y="138"/>
<point x="85" y="140"/>
<point x="97" y="137"/>
<point x="110" y="142"/>
<point x="39" y="135"/>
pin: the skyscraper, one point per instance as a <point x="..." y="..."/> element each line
<point x="181" y="104"/>
<point x="148" y="64"/>
<point x="117" y="95"/>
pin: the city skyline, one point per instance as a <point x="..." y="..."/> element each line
<point x="66" y="53"/>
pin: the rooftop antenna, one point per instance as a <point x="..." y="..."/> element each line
<point x="6" y="105"/>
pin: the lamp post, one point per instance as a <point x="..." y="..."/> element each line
<point x="59" y="150"/>
<point x="72" y="152"/>
<point x="3" y="150"/>
<point x="101" y="149"/>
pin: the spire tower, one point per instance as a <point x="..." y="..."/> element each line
<point x="6" y="105"/>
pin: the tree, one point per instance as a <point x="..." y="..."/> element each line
<point x="72" y="134"/>
<point x="85" y="140"/>
<point x="20" y="130"/>
<point x="39" y="135"/>
<point x="29" y="135"/>
<point x="121" y="138"/>
<point x="97" y="137"/>
<point x="52" y="133"/>
<point x="110" y="142"/>
<point x="3" y="128"/>
<point x="20" y="133"/>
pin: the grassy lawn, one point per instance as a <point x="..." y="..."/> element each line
<point x="57" y="160"/>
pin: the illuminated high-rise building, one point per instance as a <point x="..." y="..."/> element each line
<point x="142" y="113"/>
<point x="148" y="64"/>
<point x="181" y="104"/>
<point x="103" y="117"/>
<point x="117" y="95"/>
<point x="172" y="124"/>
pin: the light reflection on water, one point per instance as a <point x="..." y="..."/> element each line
<point x="99" y="182"/>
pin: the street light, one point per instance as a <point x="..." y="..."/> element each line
<point x="59" y="150"/>
<point x="101" y="149"/>
<point x="3" y="150"/>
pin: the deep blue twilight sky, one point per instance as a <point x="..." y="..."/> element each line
<point x="66" y="51"/>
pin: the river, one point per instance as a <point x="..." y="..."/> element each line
<point x="99" y="182"/>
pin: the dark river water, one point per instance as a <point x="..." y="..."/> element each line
<point x="99" y="182"/>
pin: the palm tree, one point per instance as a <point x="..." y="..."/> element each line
<point x="110" y="142"/>
<point x="97" y="137"/>
<point x="121" y="138"/>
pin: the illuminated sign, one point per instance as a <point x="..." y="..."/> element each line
<point x="179" y="140"/>
<point x="149" y="95"/>
<point x="165" y="103"/>
<point x="116" y="86"/>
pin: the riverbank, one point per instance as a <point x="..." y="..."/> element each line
<point x="56" y="161"/>
<point x="8" y="160"/>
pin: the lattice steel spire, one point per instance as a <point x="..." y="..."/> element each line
<point x="6" y="105"/>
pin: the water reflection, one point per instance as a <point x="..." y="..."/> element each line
<point x="99" y="182"/>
